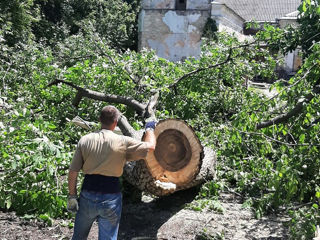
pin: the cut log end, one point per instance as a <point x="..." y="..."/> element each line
<point x="179" y="161"/>
<point x="177" y="157"/>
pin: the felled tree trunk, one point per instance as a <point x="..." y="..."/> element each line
<point x="178" y="162"/>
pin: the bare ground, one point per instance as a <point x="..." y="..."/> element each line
<point x="165" y="218"/>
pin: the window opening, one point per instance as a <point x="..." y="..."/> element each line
<point x="181" y="4"/>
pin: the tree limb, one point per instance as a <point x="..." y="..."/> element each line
<point x="200" y="70"/>
<point x="150" y="109"/>
<point x="145" y="110"/>
<point x="139" y="107"/>
<point x="173" y="85"/>
<point x="295" y="111"/>
<point x="273" y="139"/>
<point x="125" y="127"/>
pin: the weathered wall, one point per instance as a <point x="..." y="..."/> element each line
<point x="198" y="4"/>
<point x="292" y="60"/>
<point x="285" y="21"/>
<point x="158" y="4"/>
<point x="174" y="35"/>
<point x="226" y="18"/>
<point x="170" y="4"/>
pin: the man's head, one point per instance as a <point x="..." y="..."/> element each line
<point x="109" y="115"/>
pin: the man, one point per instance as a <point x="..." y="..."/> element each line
<point x="101" y="156"/>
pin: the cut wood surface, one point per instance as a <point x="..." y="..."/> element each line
<point x="178" y="162"/>
<point x="177" y="157"/>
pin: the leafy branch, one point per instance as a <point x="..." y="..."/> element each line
<point x="200" y="70"/>
<point x="294" y="112"/>
<point x="144" y="110"/>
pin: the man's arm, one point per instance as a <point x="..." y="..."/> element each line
<point x="72" y="204"/>
<point x="75" y="167"/>
<point x="150" y="138"/>
<point x="72" y="182"/>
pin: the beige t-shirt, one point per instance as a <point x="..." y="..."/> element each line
<point x="105" y="153"/>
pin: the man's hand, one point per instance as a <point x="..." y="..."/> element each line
<point x="72" y="205"/>
<point x="151" y="125"/>
<point x="149" y="136"/>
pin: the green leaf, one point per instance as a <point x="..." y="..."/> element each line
<point x="8" y="202"/>
<point x="304" y="7"/>
<point x="302" y="137"/>
<point x="4" y="154"/>
<point x="52" y="126"/>
<point x="46" y="219"/>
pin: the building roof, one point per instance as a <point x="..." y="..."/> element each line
<point x="262" y="10"/>
<point x="293" y="14"/>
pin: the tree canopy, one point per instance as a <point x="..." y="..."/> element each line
<point x="53" y="21"/>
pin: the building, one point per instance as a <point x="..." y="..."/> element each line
<point x="173" y="28"/>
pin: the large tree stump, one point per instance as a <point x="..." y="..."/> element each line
<point x="178" y="162"/>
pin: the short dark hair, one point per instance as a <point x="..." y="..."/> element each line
<point x="109" y="114"/>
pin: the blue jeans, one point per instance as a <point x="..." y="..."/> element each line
<point x="106" y="208"/>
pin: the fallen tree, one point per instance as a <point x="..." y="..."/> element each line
<point x="179" y="160"/>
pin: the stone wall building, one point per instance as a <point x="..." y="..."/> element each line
<point x="173" y="28"/>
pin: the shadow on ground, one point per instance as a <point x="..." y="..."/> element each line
<point x="141" y="221"/>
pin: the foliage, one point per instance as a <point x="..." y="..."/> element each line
<point x="210" y="29"/>
<point x="208" y="204"/>
<point x="303" y="221"/>
<point x="308" y="32"/>
<point x="16" y="18"/>
<point x="206" y="236"/>
<point x="55" y="20"/>
<point x="33" y="161"/>
<point x="112" y="20"/>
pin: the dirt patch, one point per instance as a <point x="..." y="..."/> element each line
<point x="165" y="218"/>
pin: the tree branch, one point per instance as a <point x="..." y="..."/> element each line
<point x="200" y="70"/>
<point x="295" y="111"/>
<point x="137" y="106"/>
<point x="125" y="127"/>
<point x="150" y="109"/>
<point x="273" y="139"/>
<point x="173" y="85"/>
